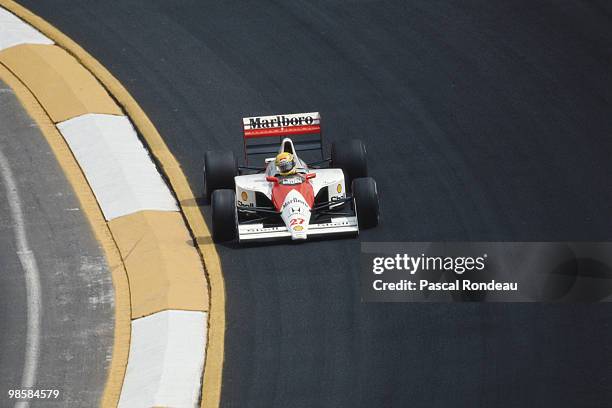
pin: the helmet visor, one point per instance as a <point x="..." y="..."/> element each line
<point x="285" y="165"/>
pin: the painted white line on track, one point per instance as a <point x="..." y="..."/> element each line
<point x="32" y="280"/>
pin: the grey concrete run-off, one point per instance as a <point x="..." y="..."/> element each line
<point x="77" y="303"/>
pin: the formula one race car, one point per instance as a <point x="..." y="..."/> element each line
<point x="289" y="198"/>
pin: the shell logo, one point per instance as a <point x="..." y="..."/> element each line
<point x="244" y="196"/>
<point x="339" y="188"/>
<point x="298" y="228"/>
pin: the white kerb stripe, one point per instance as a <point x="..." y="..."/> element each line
<point x="13" y="32"/>
<point x="116" y="165"/>
<point x="166" y="360"/>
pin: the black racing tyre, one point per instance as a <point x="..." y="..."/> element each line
<point x="350" y="156"/>
<point x="365" y="195"/>
<point x="224" y="216"/>
<point x="219" y="171"/>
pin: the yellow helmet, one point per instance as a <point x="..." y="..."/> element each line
<point x="285" y="163"/>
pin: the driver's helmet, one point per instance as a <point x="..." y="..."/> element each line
<point x="285" y="163"/>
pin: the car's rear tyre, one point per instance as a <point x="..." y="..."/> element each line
<point x="350" y="156"/>
<point x="219" y="171"/>
<point x="224" y="217"/>
<point x="365" y="196"/>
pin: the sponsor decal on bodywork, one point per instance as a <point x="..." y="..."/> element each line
<point x="294" y="200"/>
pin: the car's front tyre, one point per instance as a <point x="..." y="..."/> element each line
<point x="220" y="168"/>
<point x="350" y="156"/>
<point x="224" y="216"/>
<point x="365" y="195"/>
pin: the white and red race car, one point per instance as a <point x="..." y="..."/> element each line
<point x="254" y="203"/>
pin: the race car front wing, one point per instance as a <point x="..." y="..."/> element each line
<point x="336" y="226"/>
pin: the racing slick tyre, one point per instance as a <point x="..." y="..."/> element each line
<point x="351" y="158"/>
<point x="224" y="217"/>
<point x="365" y="196"/>
<point x="219" y="171"/>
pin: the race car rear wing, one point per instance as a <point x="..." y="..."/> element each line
<point x="264" y="134"/>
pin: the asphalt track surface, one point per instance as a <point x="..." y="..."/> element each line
<point x="484" y="120"/>
<point x="76" y="293"/>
